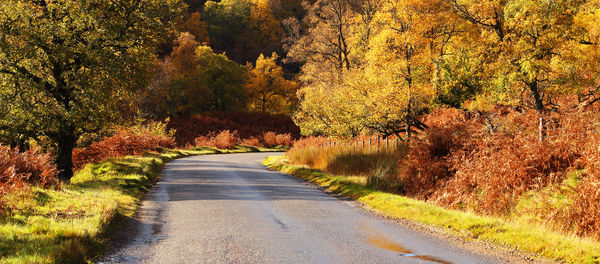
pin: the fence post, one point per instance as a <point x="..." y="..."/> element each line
<point x="387" y="142"/>
<point x="363" y="143"/>
<point x="377" y="142"/>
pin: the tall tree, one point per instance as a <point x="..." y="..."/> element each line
<point x="243" y="29"/>
<point x="266" y="87"/>
<point x="529" y="48"/>
<point x="176" y="88"/>
<point x="322" y="42"/>
<point x="328" y="29"/>
<point x="195" y="26"/>
<point x="402" y="63"/>
<point x="224" y="79"/>
<point x="63" y="64"/>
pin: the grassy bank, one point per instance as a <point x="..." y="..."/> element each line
<point x="516" y="234"/>
<point x="72" y="224"/>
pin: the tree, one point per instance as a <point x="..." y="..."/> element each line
<point x="267" y="89"/>
<point x="401" y="64"/>
<point x="64" y="65"/>
<point x="176" y="88"/>
<point x="322" y="43"/>
<point x="326" y="40"/>
<point x="226" y="20"/>
<point x="243" y="29"/>
<point x="338" y="109"/>
<point x="532" y="49"/>
<point x="195" y="26"/>
<point x="262" y="35"/>
<point x="223" y="77"/>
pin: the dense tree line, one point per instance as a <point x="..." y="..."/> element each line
<point x="380" y="64"/>
<point x="72" y="69"/>
<point x="343" y="67"/>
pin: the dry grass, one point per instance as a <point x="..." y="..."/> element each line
<point x="521" y="234"/>
<point x="487" y="163"/>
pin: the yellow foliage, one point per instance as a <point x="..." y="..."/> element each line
<point x="266" y="87"/>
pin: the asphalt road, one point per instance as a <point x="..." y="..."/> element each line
<point x="230" y="209"/>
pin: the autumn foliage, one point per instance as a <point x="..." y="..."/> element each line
<point x="122" y="144"/>
<point x="19" y="169"/>
<point x="229" y="139"/>
<point x="248" y="125"/>
<point x="485" y="162"/>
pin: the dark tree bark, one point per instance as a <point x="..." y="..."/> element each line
<point x="64" y="156"/>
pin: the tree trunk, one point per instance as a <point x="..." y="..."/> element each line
<point x="539" y="107"/>
<point x="64" y="157"/>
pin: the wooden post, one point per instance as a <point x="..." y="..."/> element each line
<point x="387" y="142"/>
<point x="377" y="142"/>
<point x="541" y="129"/>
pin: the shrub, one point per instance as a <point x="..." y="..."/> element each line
<point x="584" y="213"/>
<point x="426" y="168"/>
<point x="492" y="170"/>
<point x="144" y="127"/>
<point x="122" y="144"/>
<point x="227" y="140"/>
<point x="223" y="140"/>
<point x="20" y="169"/>
<point x="271" y="139"/>
<point x="253" y="141"/>
<point x="247" y="124"/>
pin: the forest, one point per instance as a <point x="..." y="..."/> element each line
<point x="491" y="105"/>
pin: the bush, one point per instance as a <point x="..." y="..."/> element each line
<point x="228" y="140"/>
<point x="271" y="139"/>
<point x="20" y="169"/>
<point x="426" y="168"/>
<point x="122" y="144"/>
<point x="487" y="162"/>
<point x="247" y="124"/>
<point x="223" y="140"/>
<point x="253" y="141"/>
<point x="584" y="214"/>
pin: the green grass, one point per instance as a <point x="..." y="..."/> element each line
<point x="520" y="234"/>
<point x="72" y="224"/>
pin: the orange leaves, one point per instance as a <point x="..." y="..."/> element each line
<point x="223" y="140"/>
<point x="247" y="124"/>
<point x="119" y="145"/>
<point x="19" y="169"/>
<point x="228" y="140"/>
<point x="267" y="89"/>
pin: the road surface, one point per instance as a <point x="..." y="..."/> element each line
<point x="230" y="209"/>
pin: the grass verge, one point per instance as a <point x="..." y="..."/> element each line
<point x="515" y="234"/>
<point x="72" y="224"/>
